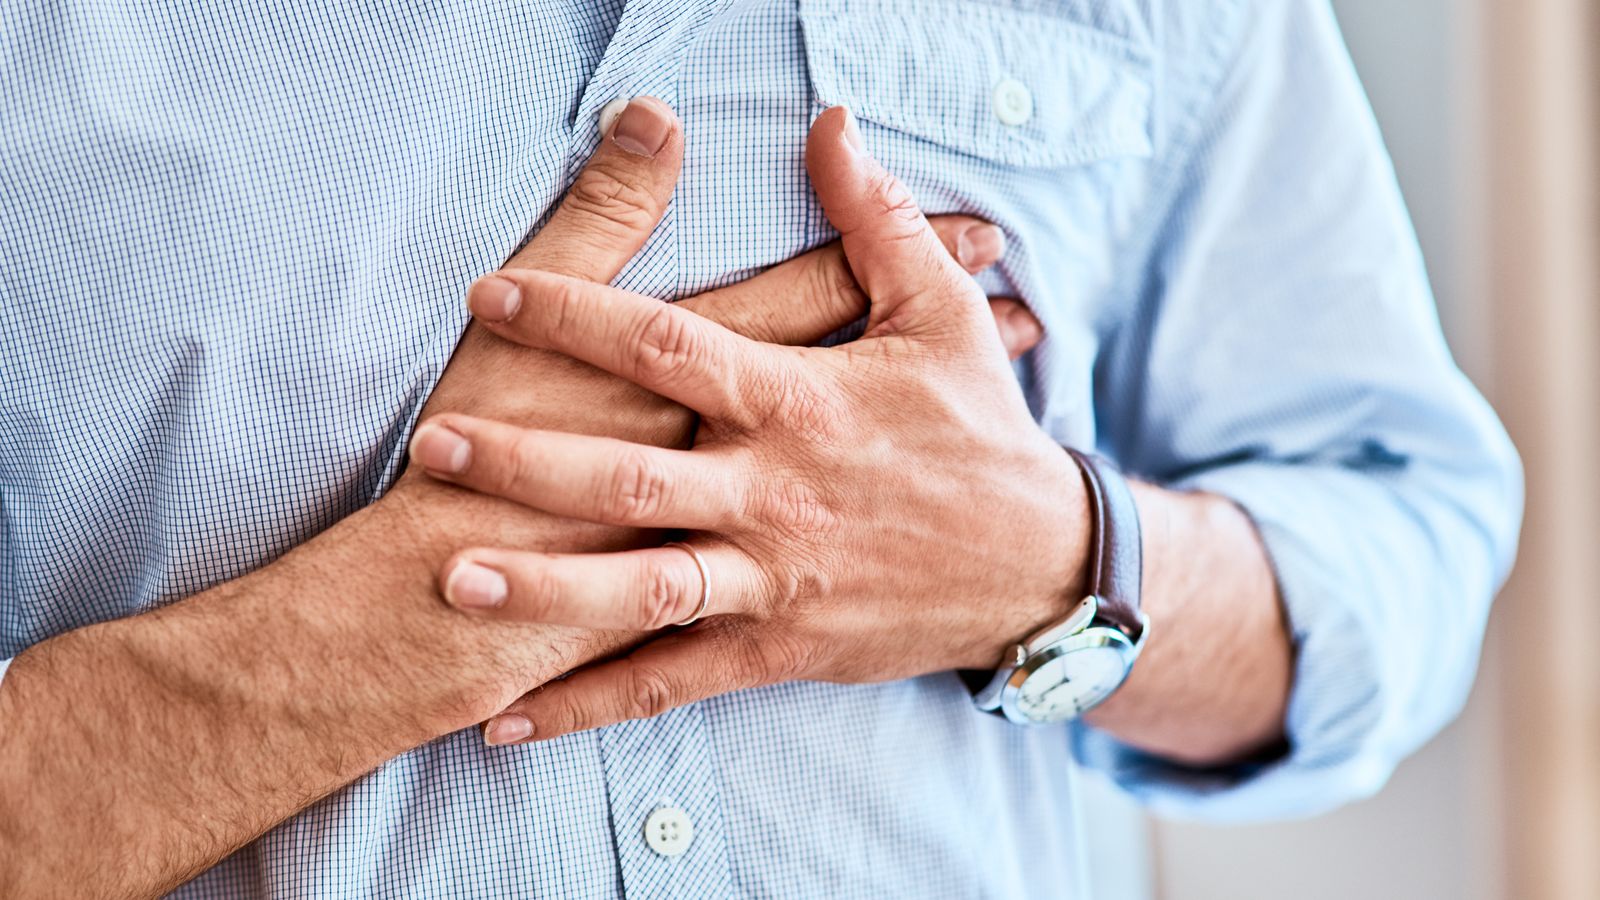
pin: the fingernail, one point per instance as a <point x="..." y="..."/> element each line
<point x="980" y="246"/>
<point x="1024" y="326"/>
<point x="1008" y="335"/>
<point x="643" y="128"/>
<point x="494" y="299"/>
<point x="610" y="113"/>
<point x="507" y="729"/>
<point x="473" y="586"/>
<point x="438" y="448"/>
<point x="852" y="134"/>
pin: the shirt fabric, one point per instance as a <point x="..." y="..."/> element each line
<point x="234" y="242"/>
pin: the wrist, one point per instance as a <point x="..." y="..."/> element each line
<point x="417" y="526"/>
<point x="1050" y="567"/>
<point x="1074" y="662"/>
<point x="1212" y="687"/>
<point x="459" y="670"/>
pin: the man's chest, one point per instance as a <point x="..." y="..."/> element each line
<point x="237" y="241"/>
<point x="349" y="168"/>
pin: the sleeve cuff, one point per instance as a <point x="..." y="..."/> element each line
<point x="1348" y="723"/>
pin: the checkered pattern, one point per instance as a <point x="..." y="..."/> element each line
<point x="233" y="241"/>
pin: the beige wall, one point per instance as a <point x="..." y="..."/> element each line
<point x="1546" y="283"/>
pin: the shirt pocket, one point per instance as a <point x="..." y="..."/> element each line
<point x="1023" y="88"/>
<point x="1036" y="119"/>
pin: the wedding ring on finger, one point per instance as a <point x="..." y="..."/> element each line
<point x="705" y="581"/>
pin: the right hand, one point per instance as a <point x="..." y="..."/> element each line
<point x="603" y="221"/>
<point x="210" y="720"/>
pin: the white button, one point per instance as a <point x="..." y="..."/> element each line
<point x="1013" y="102"/>
<point x="668" y="831"/>
<point x="610" y="112"/>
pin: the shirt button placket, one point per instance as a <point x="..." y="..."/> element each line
<point x="661" y="777"/>
<point x="666" y="806"/>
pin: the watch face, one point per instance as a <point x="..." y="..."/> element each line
<point x="1071" y="680"/>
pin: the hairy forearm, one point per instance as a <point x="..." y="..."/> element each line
<point x="138" y="752"/>
<point x="143" y="750"/>
<point x="1212" y="685"/>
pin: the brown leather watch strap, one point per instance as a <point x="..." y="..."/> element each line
<point x="1116" y="561"/>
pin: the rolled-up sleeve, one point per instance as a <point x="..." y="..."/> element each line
<point x="1286" y="354"/>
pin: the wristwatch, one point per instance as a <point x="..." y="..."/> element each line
<point x="1071" y="666"/>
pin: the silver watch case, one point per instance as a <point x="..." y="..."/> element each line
<point x="1064" y="670"/>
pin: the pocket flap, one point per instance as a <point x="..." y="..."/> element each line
<point x="1018" y="87"/>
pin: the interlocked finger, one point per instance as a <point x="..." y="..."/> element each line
<point x="636" y="590"/>
<point x="596" y="479"/>
<point x="669" y="672"/>
<point x="658" y="346"/>
<point x="803" y="300"/>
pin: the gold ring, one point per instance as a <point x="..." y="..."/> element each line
<point x="705" y="581"/>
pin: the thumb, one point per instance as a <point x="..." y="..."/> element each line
<point x="909" y="278"/>
<point x="616" y="201"/>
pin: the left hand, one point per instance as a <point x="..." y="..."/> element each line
<point x="874" y="511"/>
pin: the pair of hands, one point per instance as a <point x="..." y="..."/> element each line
<point x="873" y="511"/>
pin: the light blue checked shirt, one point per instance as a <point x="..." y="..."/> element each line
<point x="234" y="239"/>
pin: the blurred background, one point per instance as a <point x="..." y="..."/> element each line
<point x="1492" y="111"/>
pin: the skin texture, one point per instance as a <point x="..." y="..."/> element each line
<point x="136" y="753"/>
<point x="870" y="512"/>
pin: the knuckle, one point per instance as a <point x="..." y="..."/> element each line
<point x="786" y="656"/>
<point x="539" y="592"/>
<point x="765" y="391"/>
<point x="808" y="410"/>
<point x="667" y="345"/>
<point x="736" y="650"/>
<point x="649" y="693"/>
<point x="793" y="589"/>
<point x="835" y="285"/>
<point x="796" y="508"/>
<point x="560" y="713"/>
<point x="522" y="462"/>
<point x="635" y="491"/>
<point x="663" y="599"/>
<point x="892" y="199"/>
<point x="604" y="195"/>
<point x="560" y="306"/>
